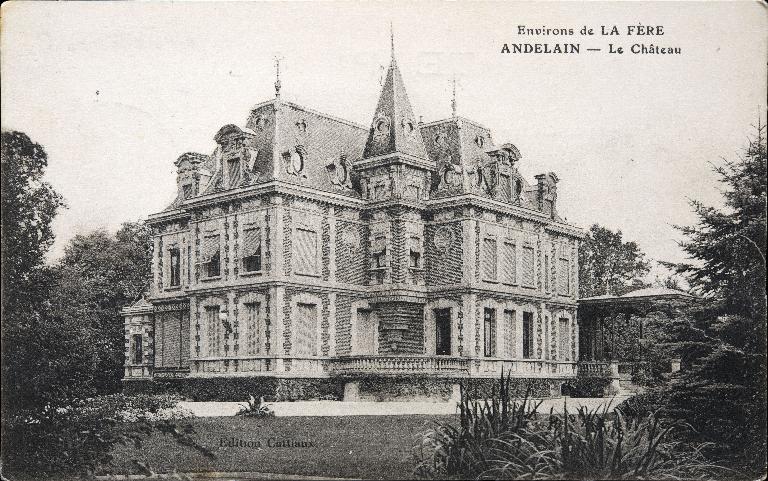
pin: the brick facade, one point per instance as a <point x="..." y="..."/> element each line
<point x="308" y="246"/>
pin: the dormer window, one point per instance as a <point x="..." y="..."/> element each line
<point x="233" y="169"/>
<point x="186" y="191"/>
<point x="518" y="189"/>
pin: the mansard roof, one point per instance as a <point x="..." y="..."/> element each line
<point x="394" y="128"/>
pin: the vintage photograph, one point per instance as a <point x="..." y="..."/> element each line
<point x="396" y="240"/>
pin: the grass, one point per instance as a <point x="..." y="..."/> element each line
<point x="367" y="447"/>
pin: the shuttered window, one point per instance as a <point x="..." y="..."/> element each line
<point x="508" y="263"/>
<point x="233" y="169"/>
<point x="305" y="251"/>
<point x="252" y="249"/>
<point x="563" y="277"/>
<point x="254" y="327"/>
<point x="528" y="266"/>
<point x="510" y="332"/>
<point x="489" y="259"/>
<point x="306" y="330"/>
<point x="210" y="255"/>
<point x="565" y="340"/>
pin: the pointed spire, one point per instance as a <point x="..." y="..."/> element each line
<point x="394" y="127"/>
<point x="277" y="81"/>
<point x="392" y="40"/>
<point x="453" y="100"/>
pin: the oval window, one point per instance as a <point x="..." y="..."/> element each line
<point x="297" y="161"/>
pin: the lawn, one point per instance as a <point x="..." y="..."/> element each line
<point x="367" y="447"/>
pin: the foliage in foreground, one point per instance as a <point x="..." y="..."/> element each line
<point x="506" y="438"/>
<point x="79" y="437"/>
<point x="255" y="408"/>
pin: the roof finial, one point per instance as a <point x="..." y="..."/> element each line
<point x="277" y="81"/>
<point x="392" y="38"/>
<point x="453" y="100"/>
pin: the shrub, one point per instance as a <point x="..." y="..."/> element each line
<point x="255" y="408"/>
<point x="78" y="437"/>
<point x="506" y="438"/>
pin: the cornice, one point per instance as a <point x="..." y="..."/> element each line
<point x="394" y="158"/>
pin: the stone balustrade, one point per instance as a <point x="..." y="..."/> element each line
<point x="380" y="364"/>
<point x="401" y="364"/>
<point x="595" y="369"/>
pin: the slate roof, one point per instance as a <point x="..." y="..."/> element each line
<point x="394" y="127"/>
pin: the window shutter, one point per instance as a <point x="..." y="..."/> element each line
<point x="305" y="245"/>
<point x="234" y="172"/>
<point x="251" y="241"/>
<point x="528" y="266"/>
<point x="509" y="263"/>
<point x="562" y="277"/>
<point x="210" y="248"/>
<point x="306" y="330"/>
<point x="489" y="259"/>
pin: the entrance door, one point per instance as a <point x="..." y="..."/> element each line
<point x="443" y="332"/>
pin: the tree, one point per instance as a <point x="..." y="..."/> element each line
<point x="608" y="265"/>
<point x="721" y="390"/>
<point x="98" y="275"/>
<point x="29" y="206"/>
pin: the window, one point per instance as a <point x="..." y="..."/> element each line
<point x="306" y="330"/>
<point x="252" y="250"/>
<point x="527" y="335"/>
<point x="211" y="256"/>
<point x="565" y="340"/>
<point x="253" y="326"/>
<point x="506" y="187"/>
<point x="443" y="332"/>
<point x="378" y="191"/>
<point x="233" y="169"/>
<point x="186" y="191"/>
<point x="489" y="259"/>
<point x="489" y="331"/>
<point x="212" y="324"/>
<point x="305" y="252"/>
<point x="380" y="252"/>
<point x="137" y="356"/>
<point x="564" y="277"/>
<point x="509" y="263"/>
<point x="510" y="333"/>
<point x="518" y="189"/>
<point x="365" y="338"/>
<point x="175" y="255"/>
<point x="528" y="263"/>
<point x="414" y="248"/>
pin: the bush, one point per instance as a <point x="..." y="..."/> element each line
<point x="255" y="408"/>
<point x="78" y="437"/>
<point x="506" y="438"/>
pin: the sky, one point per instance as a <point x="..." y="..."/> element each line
<point x="116" y="91"/>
